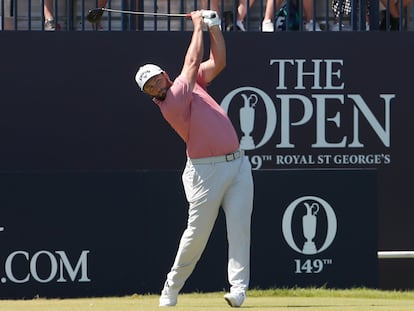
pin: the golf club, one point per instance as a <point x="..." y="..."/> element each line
<point x="95" y="15"/>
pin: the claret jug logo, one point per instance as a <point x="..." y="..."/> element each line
<point x="250" y="97"/>
<point x="309" y="227"/>
<point x="306" y="220"/>
<point x="308" y="104"/>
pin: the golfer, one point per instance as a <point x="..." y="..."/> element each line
<point x="217" y="174"/>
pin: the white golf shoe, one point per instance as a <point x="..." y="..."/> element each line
<point x="168" y="296"/>
<point x="235" y="299"/>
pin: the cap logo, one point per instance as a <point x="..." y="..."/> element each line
<point x="144" y="75"/>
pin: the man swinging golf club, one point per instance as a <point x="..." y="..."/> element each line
<point x="217" y="173"/>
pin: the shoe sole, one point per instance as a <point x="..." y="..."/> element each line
<point x="230" y="302"/>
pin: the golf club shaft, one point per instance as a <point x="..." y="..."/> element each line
<point x="146" y="13"/>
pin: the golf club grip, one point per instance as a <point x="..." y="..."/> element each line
<point x="209" y="15"/>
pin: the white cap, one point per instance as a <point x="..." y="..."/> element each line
<point x="145" y="73"/>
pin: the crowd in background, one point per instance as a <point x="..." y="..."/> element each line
<point x="235" y="15"/>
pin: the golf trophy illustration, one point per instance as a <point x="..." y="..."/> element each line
<point x="309" y="227"/>
<point x="247" y="114"/>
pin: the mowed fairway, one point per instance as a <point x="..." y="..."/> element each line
<point x="283" y="299"/>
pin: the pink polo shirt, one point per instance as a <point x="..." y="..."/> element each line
<point x="198" y="119"/>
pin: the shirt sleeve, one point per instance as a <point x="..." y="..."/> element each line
<point x="201" y="77"/>
<point x="177" y="102"/>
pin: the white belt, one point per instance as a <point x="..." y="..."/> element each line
<point x="224" y="158"/>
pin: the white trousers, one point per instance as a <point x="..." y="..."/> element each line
<point x="208" y="187"/>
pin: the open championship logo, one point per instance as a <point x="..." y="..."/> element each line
<point x="309" y="103"/>
<point x="309" y="213"/>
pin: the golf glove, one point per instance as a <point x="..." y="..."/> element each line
<point x="210" y="18"/>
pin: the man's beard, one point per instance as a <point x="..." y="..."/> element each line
<point x="162" y="95"/>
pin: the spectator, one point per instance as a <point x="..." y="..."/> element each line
<point x="50" y="24"/>
<point x="394" y="11"/>
<point x="241" y="13"/>
<point x="7" y="18"/>
<point x="344" y="7"/>
<point x="217" y="174"/>
<point x="268" y="23"/>
<point x="340" y="8"/>
<point x="271" y="7"/>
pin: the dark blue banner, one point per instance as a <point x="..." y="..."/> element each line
<point x="90" y="234"/>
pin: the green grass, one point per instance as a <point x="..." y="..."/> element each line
<point x="339" y="293"/>
<point x="297" y="299"/>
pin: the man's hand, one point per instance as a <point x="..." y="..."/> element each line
<point x="210" y="18"/>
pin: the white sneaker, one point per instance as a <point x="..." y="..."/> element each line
<point x="268" y="26"/>
<point x="240" y="26"/>
<point x="168" y="296"/>
<point x="309" y="26"/>
<point x="235" y="299"/>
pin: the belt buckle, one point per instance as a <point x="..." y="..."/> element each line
<point x="232" y="156"/>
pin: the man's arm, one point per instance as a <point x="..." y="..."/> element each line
<point x="217" y="61"/>
<point x="195" y="50"/>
